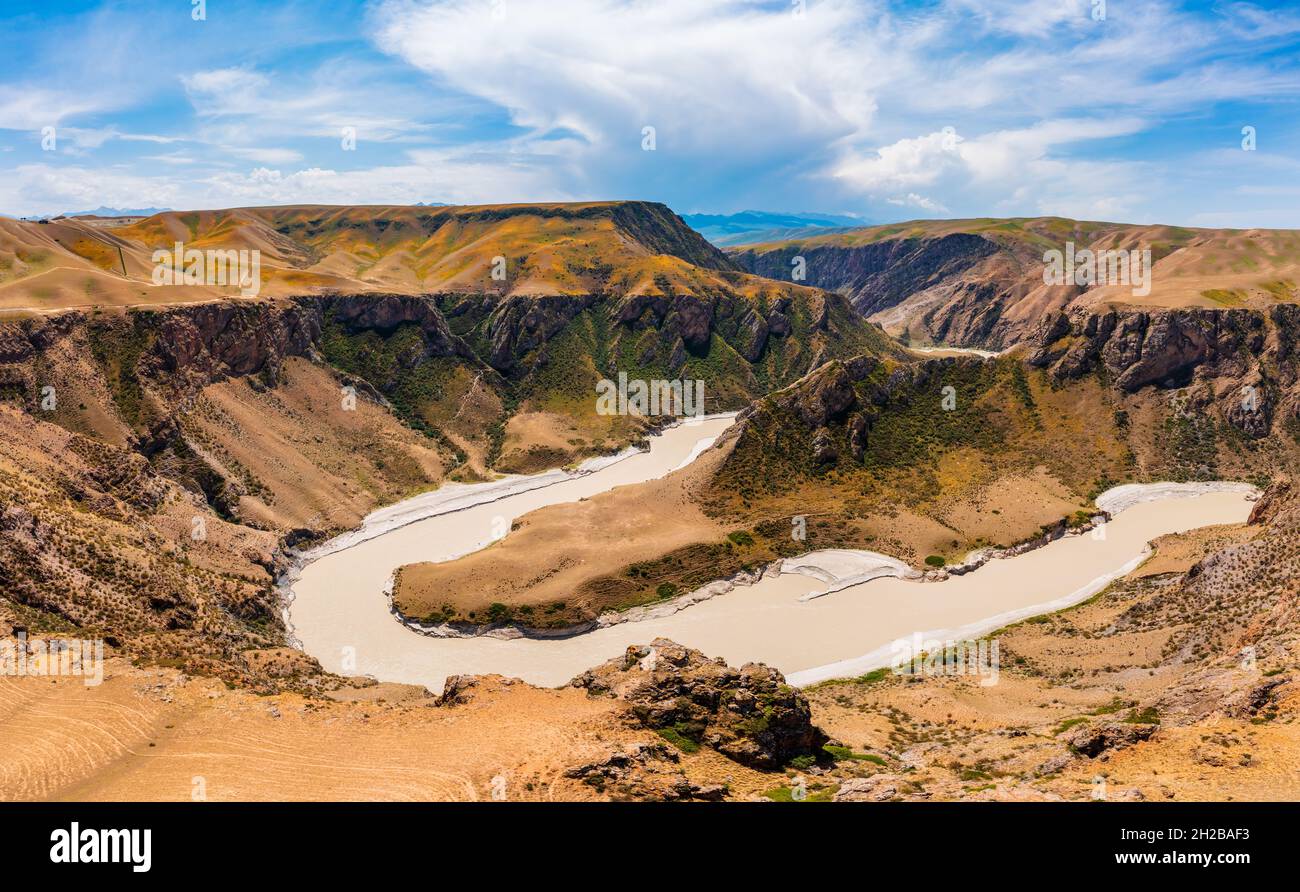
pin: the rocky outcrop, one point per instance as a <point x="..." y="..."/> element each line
<point x="1097" y="739"/>
<point x="655" y="226"/>
<point x="1275" y="499"/>
<point x="1245" y="704"/>
<point x="457" y="690"/>
<point x="1240" y="363"/>
<point x="875" y="788"/>
<point x="521" y="324"/>
<point x="829" y="413"/>
<point x="748" y="714"/>
<point x="644" y="771"/>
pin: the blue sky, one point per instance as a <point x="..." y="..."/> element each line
<point x="1128" y="111"/>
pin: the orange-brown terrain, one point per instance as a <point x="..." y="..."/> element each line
<point x="164" y="449"/>
<point x="1144" y="692"/>
<point x="980" y="282"/>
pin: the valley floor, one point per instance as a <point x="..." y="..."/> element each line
<point x="157" y="734"/>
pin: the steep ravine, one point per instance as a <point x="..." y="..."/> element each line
<point x="952" y="289"/>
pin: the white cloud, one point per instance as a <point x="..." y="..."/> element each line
<point x="245" y="104"/>
<point x="462" y="176"/>
<point x="1014" y="171"/>
<point x="31" y="108"/>
<point x="844" y="105"/>
<point x="920" y="161"/>
<point x="1024" y="18"/>
<point x="455" y="177"/>
<point x="911" y="199"/>
<point x="264" y="155"/>
<point x="50" y="189"/>
<point x="225" y="91"/>
<point x="728" y="78"/>
<point x="736" y="85"/>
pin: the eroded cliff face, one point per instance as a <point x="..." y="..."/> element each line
<point x="990" y="282"/>
<point x="188" y="445"/>
<point x="739" y="345"/>
<point x="155" y="463"/>
<point x="1090" y="399"/>
<point x="962" y="289"/>
<point x="1239" y="365"/>
<point x="204" y="343"/>
<point x="450" y="367"/>
<point x="874" y="276"/>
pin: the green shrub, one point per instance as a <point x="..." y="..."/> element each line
<point x="844" y="754"/>
<point x="1148" y="716"/>
<point x="875" y="675"/>
<point x="678" y="739"/>
<point x="742" y="538"/>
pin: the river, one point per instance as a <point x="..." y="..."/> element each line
<point x="339" y="613"/>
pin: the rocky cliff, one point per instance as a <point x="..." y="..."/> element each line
<point x="1239" y="365"/>
<point x="953" y="289"/>
<point x="983" y="282"/>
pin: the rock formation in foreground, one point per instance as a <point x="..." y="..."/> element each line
<point x="748" y="714"/>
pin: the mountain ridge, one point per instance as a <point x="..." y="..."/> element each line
<point x="980" y="282"/>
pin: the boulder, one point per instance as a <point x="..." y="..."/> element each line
<point x="1097" y="739"/>
<point x="748" y="714"/>
<point x="876" y="788"/>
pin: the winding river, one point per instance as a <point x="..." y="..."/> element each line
<point x="339" y="613"/>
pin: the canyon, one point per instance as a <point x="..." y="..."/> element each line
<point x="201" y="443"/>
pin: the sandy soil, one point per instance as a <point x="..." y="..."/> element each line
<point x="157" y="735"/>
<point x="573" y="542"/>
<point x="321" y="474"/>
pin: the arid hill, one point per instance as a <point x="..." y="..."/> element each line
<point x="980" y="282"/>
<point x="625" y="248"/>
<point x="926" y="459"/>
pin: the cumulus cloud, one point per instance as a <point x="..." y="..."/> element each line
<point x="732" y="77"/>
<point x="753" y="86"/>
<point x="1014" y="170"/>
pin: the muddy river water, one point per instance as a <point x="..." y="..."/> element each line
<point x="339" y="607"/>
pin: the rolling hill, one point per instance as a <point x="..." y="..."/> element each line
<point x="622" y="247"/>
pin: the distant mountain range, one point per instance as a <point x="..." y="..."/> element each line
<point x="118" y="212"/>
<point x="755" y="227"/>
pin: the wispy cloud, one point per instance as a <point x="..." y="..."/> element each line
<point x="876" y="107"/>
